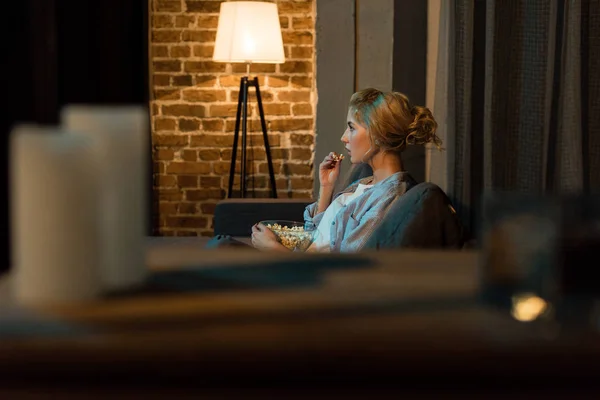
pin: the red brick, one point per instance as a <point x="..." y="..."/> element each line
<point x="162" y="21"/>
<point x="164" y="154"/>
<point x="181" y="51"/>
<point x="279" y="81"/>
<point x="205" y="51"/>
<point x="203" y="66"/>
<point x="205" y="96"/>
<point x="182" y="80"/>
<point x="158" y="167"/>
<point x="187" y="125"/>
<point x="284" y="22"/>
<point x="185" y="21"/>
<point x="212" y="125"/>
<point x="295" y="37"/>
<point x="167" y="208"/>
<point x="171" y="140"/>
<point x="166" y="94"/>
<point x="160" y="80"/>
<point x="302" y="23"/>
<point x="221" y="167"/>
<point x="164" y="181"/>
<point x="263" y="168"/>
<point x="168" y="5"/>
<point x="184" y="110"/>
<point x="301" y="140"/>
<point x="204" y="194"/>
<point x="208" y="208"/>
<point x="302" y="109"/>
<point x="280" y="154"/>
<point x="302" y="81"/>
<point x="277" y="109"/>
<point x="302" y="52"/>
<point x="164" y="124"/>
<point x="208" y="155"/>
<point x="198" y="36"/>
<point x="208" y="21"/>
<point x="223" y="110"/>
<point x="295" y="7"/>
<point x="302" y="194"/>
<point x="188" y="208"/>
<point x="166" y="36"/>
<point x="188" y="168"/>
<point x="204" y="140"/>
<point x="167" y="66"/>
<point x="297" y="154"/>
<point x="285" y="125"/>
<point x="206" y="80"/>
<point x="169" y="194"/>
<point x="229" y="81"/>
<point x="254" y="68"/>
<point x="159" y="51"/>
<point x="294" y="96"/>
<point x="189" y="155"/>
<point x="301" y="183"/>
<point x="210" y="182"/>
<point x="203" y="6"/>
<point x="298" y="169"/>
<point x="187" y="181"/>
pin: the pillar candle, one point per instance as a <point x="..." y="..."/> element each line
<point x="53" y="217"/>
<point x="120" y="135"/>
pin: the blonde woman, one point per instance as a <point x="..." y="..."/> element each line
<point x="380" y="125"/>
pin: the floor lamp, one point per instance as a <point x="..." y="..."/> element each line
<point x="249" y="32"/>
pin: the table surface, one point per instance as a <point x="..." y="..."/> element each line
<point x="257" y="318"/>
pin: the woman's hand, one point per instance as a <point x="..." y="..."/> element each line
<point x="264" y="239"/>
<point x="329" y="170"/>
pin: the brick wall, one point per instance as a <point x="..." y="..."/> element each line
<point x="194" y="104"/>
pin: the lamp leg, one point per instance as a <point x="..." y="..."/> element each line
<point x="265" y="138"/>
<point x="244" y="131"/>
<point x="235" y="140"/>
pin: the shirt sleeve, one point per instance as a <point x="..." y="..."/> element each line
<point x="310" y="214"/>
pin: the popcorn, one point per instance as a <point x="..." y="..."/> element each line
<point x="293" y="238"/>
<point x="338" y="157"/>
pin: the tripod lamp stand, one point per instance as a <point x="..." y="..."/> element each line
<point x="249" y="32"/>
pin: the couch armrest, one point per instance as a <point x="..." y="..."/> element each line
<point x="235" y="217"/>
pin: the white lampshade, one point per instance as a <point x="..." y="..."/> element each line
<point x="249" y="32"/>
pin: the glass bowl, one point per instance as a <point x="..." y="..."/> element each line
<point x="294" y="235"/>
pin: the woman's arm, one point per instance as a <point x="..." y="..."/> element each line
<point x="325" y="196"/>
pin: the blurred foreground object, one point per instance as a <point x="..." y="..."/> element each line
<point x="538" y="258"/>
<point x="120" y="151"/>
<point x="53" y="214"/>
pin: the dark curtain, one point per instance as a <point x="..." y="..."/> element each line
<point x="524" y="101"/>
<point x="60" y="52"/>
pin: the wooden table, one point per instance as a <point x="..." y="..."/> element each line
<point x="240" y="320"/>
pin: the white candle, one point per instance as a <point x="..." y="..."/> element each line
<point x="121" y="149"/>
<point x="53" y="217"/>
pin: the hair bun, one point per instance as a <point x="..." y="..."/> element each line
<point x="423" y="128"/>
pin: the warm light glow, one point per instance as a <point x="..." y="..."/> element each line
<point x="528" y="307"/>
<point x="249" y="32"/>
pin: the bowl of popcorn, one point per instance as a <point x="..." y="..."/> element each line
<point x="294" y="235"/>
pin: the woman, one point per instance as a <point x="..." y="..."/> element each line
<point x="380" y="127"/>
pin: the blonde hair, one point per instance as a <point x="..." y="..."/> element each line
<point x="392" y="122"/>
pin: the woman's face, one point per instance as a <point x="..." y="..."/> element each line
<point x="356" y="140"/>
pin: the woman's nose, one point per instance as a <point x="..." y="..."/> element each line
<point x="344" y="137"/>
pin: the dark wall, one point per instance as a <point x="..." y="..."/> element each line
<point x="410" y="68"/>
<point x="60" y="52"/>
